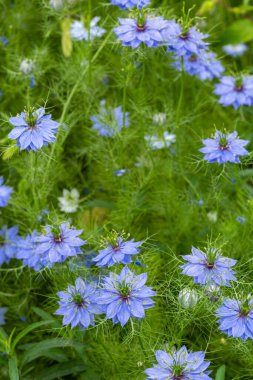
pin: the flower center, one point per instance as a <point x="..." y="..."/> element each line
<point x="2" y="240"/>
<point x="125" y="292"/>
<point x="223" y="144"/>
<point x="79" y="301"/>
<point x="245" y="309"/>
<point x="141" y="23"/>
<point x="209" y="265"/>
<point x="177" y="372"/>
<point x="239" y="85"/>
<point x="58" y="238"/>
<point x="184" y="36"/>
<point x="30" y="118"/>
<point x="193" y="58"/>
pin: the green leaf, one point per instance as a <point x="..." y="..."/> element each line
<point x="27" y="330"/>
<point x="35" y="350"/>
<point x="220" y="374"/>
<point x="239" y="31"/>
<point x="63" y="369"/>
<point x="13" y="368"/>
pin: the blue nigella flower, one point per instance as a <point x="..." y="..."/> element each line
<point x="33" y="129"/>
<point x="188" y="42"/>
<point x="152" y="31"/>
<point x="4" y="40"/>
<point x="179" y="365"/>
<point x="119" y="251"/>
<point x="111" y="121"/>
<point x="209" y="268"/>
<point x="240" y="219"/>
<point x="224" y="148"/>
<point x="124" y="4"/>
<point x="79" y="31"/>
<point x="205" y="65"/>
<point x="32" y="81"/>
<point x="59" y="243"/>
<point x="27" y="251"/>
<point x="236" y="50"/>
<point x="120" y="172"/>
<point x="236" y="318"/>
<point x="125" y="295"/>
<point x="235" y="91"/>
<point x="78" y="304"/>
<point x="3" y="311"/>
<point x="5" y="193"/>
<point x="8" y="243"/>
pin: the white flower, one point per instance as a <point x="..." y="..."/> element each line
<point x="27" y="66"/>
<point x="188" y="298"/>
<point x="165" y="141"/>
<point x="79" y="32"/>
<point x="69" y="201"/>
<point x="236" y="50"/>
<point x="212" y="216"/>
<point x="159" y="118"/>
<point x="56" y="4"/>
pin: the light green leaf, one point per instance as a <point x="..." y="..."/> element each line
<point x="239" y="31"/>
<point x="220" y="374"/>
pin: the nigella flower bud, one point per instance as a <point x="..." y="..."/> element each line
<point x="27" y="66"/>
<point x="188" y="298"/>
<point x="213" y="292"/>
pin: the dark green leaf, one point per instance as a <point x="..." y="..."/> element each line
<point x="62" y="369"/>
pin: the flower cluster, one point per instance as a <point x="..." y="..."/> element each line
<point x="205" y="65"/>
<point x="152" y="31"/>
<point x="179" y="364"/>
<point x="59" y="243"/>
<point x="119" y="251"/>
<point x="125" y="295"/>
<point x="224" y="148"/>
<point x="235" y="91"/>
<point x="125" y="4"/>
<point x="9" y="240"/>
<point x="110" y="121"/>
<point x="209" y="268"/>
<point x="33" y="129"/>
<point x="79" y="32"/>
<point x="78" y="304"/>
<point x="236" y="318"/>
<point x="5" y="193"/>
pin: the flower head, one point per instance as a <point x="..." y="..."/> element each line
<point x="27" y="66"/>
<point x="124" y="4"/>
<point x="79" y="32"/>
<point x="165" y="141"/>
<point x="240" y="219"/>
<point x="33" y="129"/>
<point x="5" y="193"/>
<point x="3" y="311"/>
<point x="56" y="4"/>
<point x="224" y="148"/>
<point x="149" y="30"/>
<point x="236" y="318"/>
<point x="27" y="251"/>
<point x="78" y="304"/>
<point x="110" y="121"/>
<point x="205" y="65"/>
<point x="235" y="91"/>
<point x="209" y="268"/>
<point x="69" y="201"/>
<point x="179" y="365"/>
<point x="8" y="243"/>
<point x="125" y="295"/>
<point x="118" y="251"/>
<point x="185" y="42"/>
<point x="120" y="172"/>
<point x="4" y="40"/>
<point x="59" y="243"/>
<point x="236" y="50"/>
<point x="159" y="118"/>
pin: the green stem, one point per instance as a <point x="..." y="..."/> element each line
<point x="181" y="95"/>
